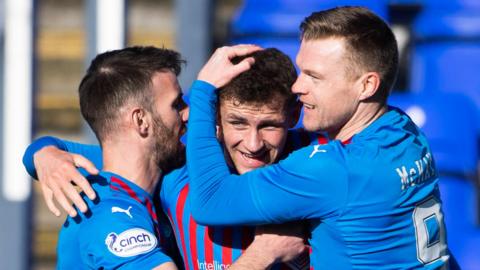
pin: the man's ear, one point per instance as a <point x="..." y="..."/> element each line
<point x="218" y="127"/>
<point x="219" y="132"/>
<point x="370" y="82"/>
<point x="141" y="121"/>
<point x="294" y="114"/>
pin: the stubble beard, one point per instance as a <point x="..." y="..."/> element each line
<point x="169" y="151"/>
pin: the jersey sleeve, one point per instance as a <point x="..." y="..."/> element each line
<point x="120" y="235"/>
<point x="91" y="152"/>
<point x="299" y="187"/>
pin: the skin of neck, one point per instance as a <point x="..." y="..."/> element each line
<point x="132" y="158"/>
<point x="366" y="113"/>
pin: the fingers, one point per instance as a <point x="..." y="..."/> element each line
<point x="48" y="197"/>
<point x="219" y="70"/>
<point x="71" y="193"/>
<point x="57" y="173"/>
<point x="84" y="185"/>
<point x="65" y="193"/>
<point x="243" y="66"/>
<point x="82" y="162"/>
<point x="64" y="203"/>
<point x="79" y="180"/>
<point x="241" y="49"/>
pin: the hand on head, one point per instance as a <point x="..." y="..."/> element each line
<point x="219" y="70"/>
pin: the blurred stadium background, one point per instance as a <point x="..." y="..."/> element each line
<point x="45" y="46"/>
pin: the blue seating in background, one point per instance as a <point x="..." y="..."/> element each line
<point x="289" y="46"/>
<point x="448" y="120"/>
<point x="283" y="17"/>
<point x="448" y="5"/>
<point x="271" y="23"/>
<point x="446" y="50"/>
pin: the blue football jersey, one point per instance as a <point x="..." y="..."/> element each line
<point x="120" y="230"/>
<point x="371" y="204"/>
<point x="216" y="247"/>
<point x="201" y="247"/>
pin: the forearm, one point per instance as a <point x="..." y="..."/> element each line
<point x="91" y="152"/>
<point x="252" y="260"/>
<point x="35" y="146"/>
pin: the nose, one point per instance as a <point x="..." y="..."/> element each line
<point x="254" y="141"/>
<point x="299" y="87"/>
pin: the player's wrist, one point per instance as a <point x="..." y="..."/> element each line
<point x="261" y="254"/>
<point x="43" y="152"/>
<point x="253" y="259"/>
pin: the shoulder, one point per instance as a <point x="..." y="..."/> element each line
<point x="119" y="210"/>
<point x="315" y="158"/>
<point x="118" y="227"/>
<point x="318" y="170"/>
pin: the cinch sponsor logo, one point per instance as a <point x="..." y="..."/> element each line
<point x="212" y="266"/>
<point x="130" y="242"/>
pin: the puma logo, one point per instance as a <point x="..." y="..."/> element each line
<point x="117" y="209"/>
<point x="317" y="150"/>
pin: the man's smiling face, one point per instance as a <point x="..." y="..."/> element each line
<point x="253" y="135"/>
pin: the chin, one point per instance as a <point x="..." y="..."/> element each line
<point x="312" y="126"/>
<point x="244" y="170"/>
<point x="309" y="127"/>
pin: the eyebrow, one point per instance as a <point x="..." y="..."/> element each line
<point x="265" y="122"/>
<point x="271" y="122"/>
<point x="232" y="116"/>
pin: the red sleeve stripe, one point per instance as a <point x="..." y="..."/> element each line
<point x="153" y="214"/>
<point x="126" y="188"/>
<point x="322" y="139"/>
<point x="179" y="213"/>
<point x="151" y="210"/>
<point x="193" y="242"/>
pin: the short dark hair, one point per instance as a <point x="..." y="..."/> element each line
<point x="267" y="82"/>
<point x="117" y="77"/>
<point x="370" y="42"/>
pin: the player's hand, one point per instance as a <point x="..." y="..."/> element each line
<point x="57" y="171"/>
<point x="219" y="70"/>
<point x="280" y="243"/>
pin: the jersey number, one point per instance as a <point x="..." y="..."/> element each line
<point x="429" y="231"/>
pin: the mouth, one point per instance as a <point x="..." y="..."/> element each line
<point x="255" y="160"/>
<point x="308" y="106"/>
